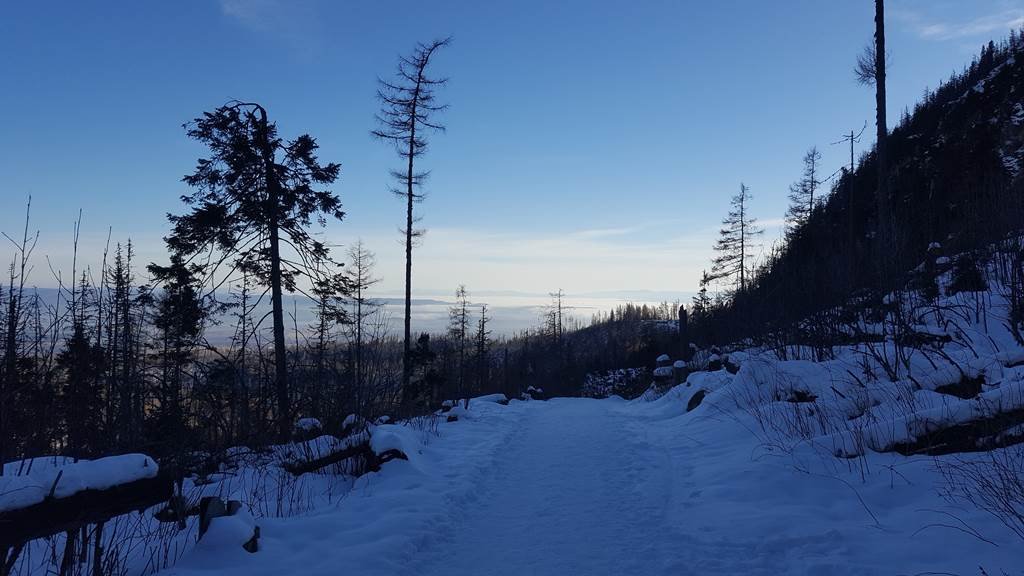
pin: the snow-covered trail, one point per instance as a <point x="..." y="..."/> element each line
<point x="595" y="487"/>
<point x="579" y="491"/>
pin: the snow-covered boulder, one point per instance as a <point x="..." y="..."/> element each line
<point x="662" y="372"/>
<point x="489" y="398"/>
<point x="353" y="424"/>
<point x="227" y="525"/>
<point x="307" y="428"/>
<point x="458" y="411"/>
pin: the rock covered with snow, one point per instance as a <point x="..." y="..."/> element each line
<point x="534" y="393"/>
<point x="457" y="412"/>
<point x="492" y="398"/>
<point x="394" y="437"/>
<point x="663" y="372"/>
<point x="353" y="424"/>
<point x="308" y="424"/>
<point x="231" y="531"/>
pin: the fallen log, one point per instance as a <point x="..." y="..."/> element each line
<point x="374" y="463"/>
<point x="57" y="515"/>
<point x="356" y="446"/>
<point x="996" y="431"/>
<point x="312" y="465"/>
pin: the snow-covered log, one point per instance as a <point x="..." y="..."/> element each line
<point x="90" y="506"/>
<point x="318" y="453"/>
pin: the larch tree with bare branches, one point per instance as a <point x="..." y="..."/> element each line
<point x="408" y="106"/>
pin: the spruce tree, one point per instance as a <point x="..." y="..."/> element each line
<point x="735" y="243"/>
<point x="329" y="293"/>
<point x="359" y="279"/>
<point x="180" y="312"/>
<point x="82" y="362"/>
<point x="482" y="353"/>
<point x="801" y="193"/>
<point x="458" y="333"/>
<point x="255" y="198"/>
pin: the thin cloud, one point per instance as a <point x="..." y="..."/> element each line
<point x="602" y="232"/>
<point x="931" y="29"/>
<point x="256" y="15"/>
<point x="577" y="260"/>
<point x="295" y="22"/>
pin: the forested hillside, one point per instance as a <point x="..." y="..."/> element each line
<point x="956" y="178"/>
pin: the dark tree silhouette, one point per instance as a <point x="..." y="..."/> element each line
<point x="735" y="241"/>
<point x="178" y="319"/>
<point x="13" y="322"/>
<point x="329" y="291"/>
<point x="801" y="192"/>
<point x="554" y="317"/>
<point x="482" y="353"/>
<point x="359" y="278"/>
<point x="407" y="109"/>
<point x="254" y="193"/>
<point x="82" y="363"/>
<point x="870" y="70"/>
<point x="458" y="333"/>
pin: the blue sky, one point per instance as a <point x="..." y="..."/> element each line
<point x="591" y="146"/>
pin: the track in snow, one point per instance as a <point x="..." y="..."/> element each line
<point x="573" y="493"/>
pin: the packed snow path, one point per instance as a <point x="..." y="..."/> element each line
<point x="574" y="492"/>
<point x="596" y="487"/>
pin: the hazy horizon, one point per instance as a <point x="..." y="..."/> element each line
<point x="510" y="311"/>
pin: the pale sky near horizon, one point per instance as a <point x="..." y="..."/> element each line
<point x="591" y="146"/>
